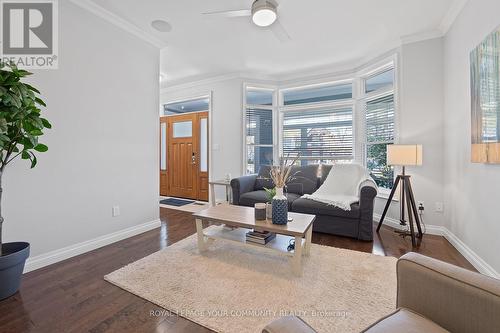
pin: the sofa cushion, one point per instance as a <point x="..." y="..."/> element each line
<point x="263" y="178"/>
<point x="308" y="206"/>
<point x="404" y="320"/>
<point x="325" y="170"/>
<point x="249" y="199"/>
<point x="304" y="179"/>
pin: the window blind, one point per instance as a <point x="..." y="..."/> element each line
<point x="379" y="134"/>
<point x="319" y="134"/>
<point x="259" y="126"/>
<point x="380" y="120"/>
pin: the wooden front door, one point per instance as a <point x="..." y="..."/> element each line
<point x="187" y="155"/>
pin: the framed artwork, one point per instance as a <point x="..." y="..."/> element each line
<point x="485" y="100"/>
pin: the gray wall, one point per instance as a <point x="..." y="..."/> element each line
<point x="103" y="148"/>
<point x="472" y="190"/>
<point x="420" y="121"/>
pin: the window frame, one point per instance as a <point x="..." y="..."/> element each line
<point x="272" y="108"/>
<point x="334" y="104"/>
<point x="364" y="98"/>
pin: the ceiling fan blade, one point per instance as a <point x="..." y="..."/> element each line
<point x="280" y="32"/>
<point x="230" y="13"/>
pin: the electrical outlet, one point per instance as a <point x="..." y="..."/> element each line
<point x="439" y="207"/>
<point x="115" y="211"/>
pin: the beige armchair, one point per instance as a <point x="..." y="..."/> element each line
<point x="433" y="296"/>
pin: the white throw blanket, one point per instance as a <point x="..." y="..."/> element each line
<point x="342" y="186"/>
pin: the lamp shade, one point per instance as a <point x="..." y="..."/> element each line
<point x="404" y="155"/>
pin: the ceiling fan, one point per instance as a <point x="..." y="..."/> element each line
<point x="264" y="14"/>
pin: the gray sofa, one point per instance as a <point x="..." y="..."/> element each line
<point x="356" y="223"/>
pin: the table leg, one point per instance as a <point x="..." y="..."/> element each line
<point x="212" y="194"/>
<point x="297" y="257"/>
<point x="201" y="238"/>
<point x="307" y="247"/>
<point x="230" y="191"/>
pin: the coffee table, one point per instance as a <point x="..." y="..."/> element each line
<point x="242" y="219"/>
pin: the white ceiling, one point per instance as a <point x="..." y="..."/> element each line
<point x="324" y="33"/>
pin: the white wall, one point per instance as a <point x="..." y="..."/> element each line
<point x="472" y="190"/>
<point x="103" y="148"/>
<point x="420" y="121"/>
<point x="226" y="121"/>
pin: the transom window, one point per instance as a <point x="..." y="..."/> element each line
<point x="317" y="94"/>
<point x="191" y="105"/>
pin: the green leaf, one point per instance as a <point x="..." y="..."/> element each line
<point x="46" y="123"/>
<point x="3" y="126"/>
<point x="25" y="155"/>
<point x="36" y="132"/>
<point x="41" y="148"/>
<point x="39" y="101"/>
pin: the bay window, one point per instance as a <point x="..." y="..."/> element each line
<point x="332" y="122"/>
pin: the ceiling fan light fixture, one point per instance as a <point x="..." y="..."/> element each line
<point x="264" y="13"/>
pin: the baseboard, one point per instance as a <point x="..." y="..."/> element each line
<point x="476" y="261"/>
<point x="52" y="257"/>
<point x="471" y="256"/>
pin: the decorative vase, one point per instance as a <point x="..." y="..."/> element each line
<point x="269" y="210"/>
<point x="280" y="207"/>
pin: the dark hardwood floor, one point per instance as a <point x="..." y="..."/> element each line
<point x="72" y="296"/>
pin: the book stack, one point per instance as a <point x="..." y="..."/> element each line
<point x="260" y="237"/>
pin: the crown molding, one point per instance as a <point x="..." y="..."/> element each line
<point x="116" y="20"/>
<point x="437" y="33"/>
<point x="184" y="84"/>
<point x="451" y="15"/>
<point x="200" y="82"/>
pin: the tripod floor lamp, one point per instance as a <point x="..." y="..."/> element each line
<point x="404" y="155"/>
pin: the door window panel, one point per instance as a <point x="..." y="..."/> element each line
<point x="183" y="129"/>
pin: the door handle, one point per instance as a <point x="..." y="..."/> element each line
<point x="193" y="158"/>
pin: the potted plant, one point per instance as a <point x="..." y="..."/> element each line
<point x="20" y="127"/>
<point x="271" y="192"/>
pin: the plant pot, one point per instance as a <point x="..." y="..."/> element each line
<point x="269" y="211"/>
<point x="12" y="266"/>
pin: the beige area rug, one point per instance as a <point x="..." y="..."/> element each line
<point x="237" y="289"/>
